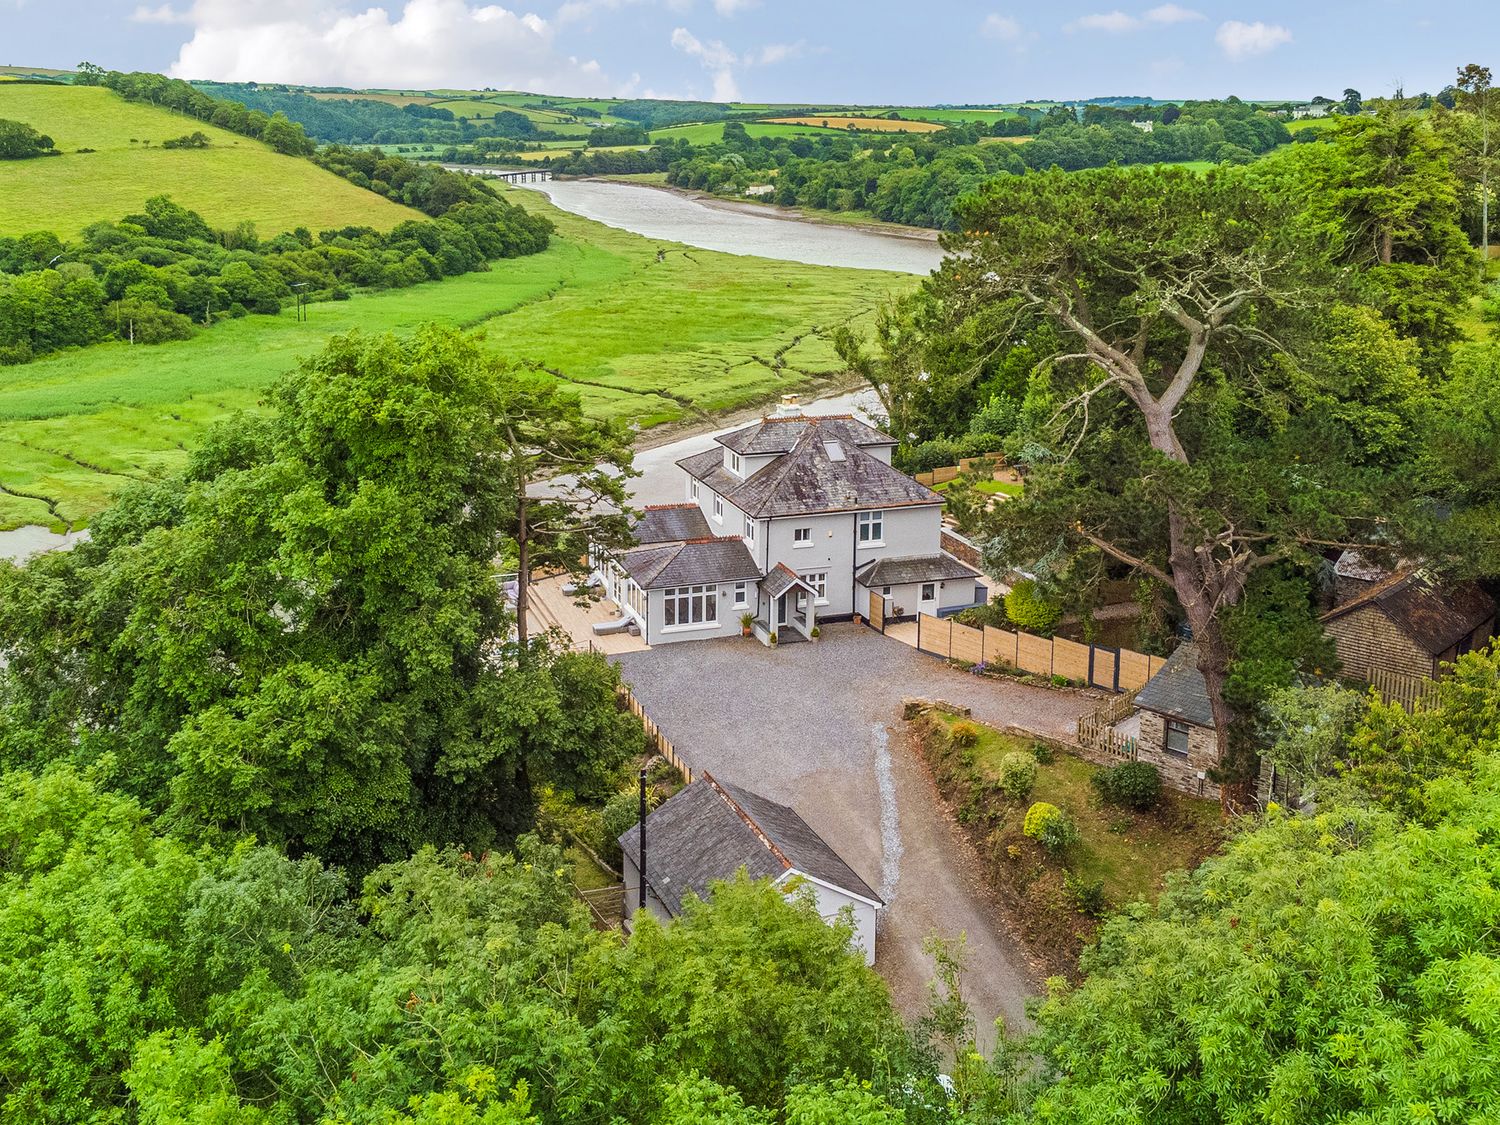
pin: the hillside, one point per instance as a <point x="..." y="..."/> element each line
<point x="235" y="179"/>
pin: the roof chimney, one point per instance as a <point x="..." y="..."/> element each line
<point x="790" y="406"/>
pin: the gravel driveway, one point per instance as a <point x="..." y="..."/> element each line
<point x="818" y="727"/>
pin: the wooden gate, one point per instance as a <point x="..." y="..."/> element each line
<point x="877" y="610"/>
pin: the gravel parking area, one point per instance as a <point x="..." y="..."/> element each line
<point x="818" y="727"/>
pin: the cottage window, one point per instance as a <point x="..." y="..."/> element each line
<point x="929" y="592"/>
<point x="819" y="582"/>
<point x="693" y="489"/>
<point x="736" y="465"/>
<point x="691" y="605"/>
<point x="1177" y="737"/>
<point x="872" y="528"/>
<point x="741" y="595"/>
<point x="801" y="537"/>
<point x="719" y="508"/>
<point x="749" y="530"/>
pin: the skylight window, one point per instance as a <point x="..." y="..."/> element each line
<point x="834" y="450"/>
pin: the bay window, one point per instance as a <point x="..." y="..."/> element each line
<point x="691" y="605"/>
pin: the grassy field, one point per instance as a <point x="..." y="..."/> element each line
<point x="643" y="340"/>
<point x="236" y="179"/>
<point x="863" y="124"/>
<point x="712" y="132"/>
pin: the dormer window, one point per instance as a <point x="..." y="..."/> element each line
<point x="734" y="462"/>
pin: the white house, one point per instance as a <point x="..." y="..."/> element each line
<point x="791" y="520"/>
<point x="708" y="831"/>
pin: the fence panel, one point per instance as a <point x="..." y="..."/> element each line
<point x="1408" y="691"/>
<point x="654" y="736"/>
<point x="1135" y="670"/>
<point x="1069" y="658"/>
<point x="1106" y="660"/>
<point x="877" y="611"/>
<point x="933" y="634"/>
<point x="999" y="646"/>
<point x="1034" y="654"/>
<point x="965" y="643"/>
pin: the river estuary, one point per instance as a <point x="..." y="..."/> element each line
<point x="654" y="213"/>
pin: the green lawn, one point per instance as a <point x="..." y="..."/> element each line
<point x="1129" y="853"/>
<point x="647" y="341"/>
<point x="989" y="487"/>
<point x="234" y="180"/>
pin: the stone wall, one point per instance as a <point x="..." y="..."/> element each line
<point x="1181" y="773"/>
<point x="1367" y="639"/>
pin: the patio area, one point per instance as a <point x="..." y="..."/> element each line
<point x="554" y="609"/>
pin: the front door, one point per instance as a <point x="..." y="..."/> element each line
<point x="928" y="601"/>
<point x="778" y="613"/>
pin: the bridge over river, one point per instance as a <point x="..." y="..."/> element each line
<point x="509" y="175"/>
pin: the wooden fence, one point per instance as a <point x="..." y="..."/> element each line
<point x="951" y="472"/>
<point x="1097" y="732"/>
<point x="877" y="611"/>
<point x="1409" y="691"/>
<point x="1113" y="669"/>
<point x="659" y="742"/>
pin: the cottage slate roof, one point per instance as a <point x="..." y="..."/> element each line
<point x="905" y="570"/>
<point x="781" y="579"/>
<point x="1352" y="564"/>
<point x="1433" y="617"/>
<point x="671" y="523"/>
<point x="808" y="479"/>
<point x="779" y="434"/>
<point x="693" y="562"/>
<point x="1178" y="689"/>
<point x="710" y="830"/>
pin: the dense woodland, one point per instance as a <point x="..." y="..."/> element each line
<point x="273" y="751"/>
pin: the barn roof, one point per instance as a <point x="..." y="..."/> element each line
<point x="1178" y="689"/>
<point x="710" y="830"/>
<point x="1435" y="618"/>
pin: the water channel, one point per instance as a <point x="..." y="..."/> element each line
<point x="667" y="215"/>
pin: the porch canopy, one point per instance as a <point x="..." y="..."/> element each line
<point x="780" y="605"/>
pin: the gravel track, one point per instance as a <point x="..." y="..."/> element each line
<point x="818" y="727"/>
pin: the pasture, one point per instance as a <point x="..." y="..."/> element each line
<point x="640" y="339"/>
<point x="235" y="179"/>
<point x="863" y="124"/>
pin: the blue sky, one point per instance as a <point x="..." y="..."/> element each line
<point x="775" y="50"/>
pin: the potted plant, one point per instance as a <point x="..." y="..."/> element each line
<point x="746" y="620"/>
<point x="773" y="638"/>
<point x="816" y="632"/>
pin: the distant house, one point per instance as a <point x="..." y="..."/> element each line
<point x="1312" y="110"/>
<point x="711" y="829"/>
<point x="1144" y="126"/>
<point x="1177" y="732"/>
<point x="791" y="520"/>
<point x="1403" y="623"/>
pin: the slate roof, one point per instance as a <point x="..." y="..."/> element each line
<point x="913" y="568"/>
<point x="1435" y="618"/>
<point x="781" y="579"/>
<point x="690" y="563"/>
<point x="710" y="830"/>
<point x="671" y="523"/>
<point x="807" y="479"/>
<point x="1352" y="564"/>
<point x="1178" y="689"/>
<point x="779" y="434"/>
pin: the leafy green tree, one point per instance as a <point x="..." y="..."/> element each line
<point x="1478" y="99"/>
<point x="19" y="141"/>
<point x="304" y="636"/>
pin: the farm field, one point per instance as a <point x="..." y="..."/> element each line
<point x="236" y="179"/>
<point x="863" y="124"/>
<point x="362" y="96"/>
<point x="647" y="341"/>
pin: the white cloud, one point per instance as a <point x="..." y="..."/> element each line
<point x="716" y="58"/>
<point x="1241" y="40"/>
<point x="409" y="43"/>
<point x="1003" y="28"/>
<point x="1171" y="13"/>
<point x="1111" y="22"/>
<point x="730" y="7"/>
<point x="773" y="53"/>
<point x="165" y="13"/>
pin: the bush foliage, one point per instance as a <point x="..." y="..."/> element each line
<point x="1131" y="785"/>
<point x="1050" y="826"/>
<point x="1017" y="775"/>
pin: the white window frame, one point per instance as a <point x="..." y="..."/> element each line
<point x="700" y="603"/>
<point x="1178" y="727"/>
<point x="801" y="537"/>
<point x="749" y="530"/>
<point x="741" y="595"/>
<point x="924" y="596"/>
<point x="735" y="462"/>
<point x="693" y="489"/>
<point x="818" y="580"/>
<point x="719" y="509"/>
<point x="871" y="529"/>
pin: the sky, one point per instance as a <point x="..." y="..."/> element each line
<point x="872" y="52"/>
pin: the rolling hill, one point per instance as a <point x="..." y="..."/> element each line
<point x="232" y="180"/>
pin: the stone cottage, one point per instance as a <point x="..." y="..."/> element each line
<point x="1177" y="733"/>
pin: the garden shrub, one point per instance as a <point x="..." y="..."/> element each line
<point x="1042" y="753"/>
<point x="1049" y="825"/>
<point x="1087" y="895"/>
<point x="1017" y="775"/>
<point x="1131" y="785"/>
<point x="1028" y="610"/>
<point x="963" y="736"/>
<point x="621" y="814"/>
<point x="992" y="613"/>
